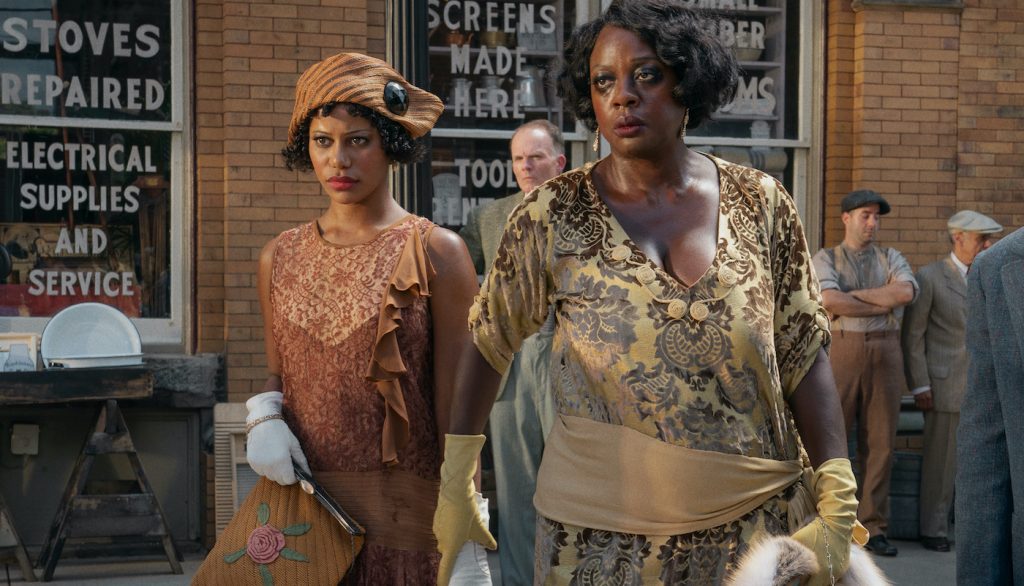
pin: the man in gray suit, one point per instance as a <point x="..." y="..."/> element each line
<point x="524" y="411"/>
<point x="935" y="361"/>
<point x="990" y="446"/>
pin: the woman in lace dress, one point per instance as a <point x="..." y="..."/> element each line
<point x="689" y="345"/>
<point x="364" y="312"/>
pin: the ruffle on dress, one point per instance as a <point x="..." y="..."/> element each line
<point x="410" y="280"/>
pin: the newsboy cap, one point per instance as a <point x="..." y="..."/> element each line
<point x="863" y="197"/>
<point x="972" y="221"/>
<point x="361" y="79"/>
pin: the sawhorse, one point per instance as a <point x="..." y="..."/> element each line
<point x="106" y="515"/>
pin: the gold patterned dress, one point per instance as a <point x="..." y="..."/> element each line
<point x="706" y="367"/>
<point x="352" y="326"/>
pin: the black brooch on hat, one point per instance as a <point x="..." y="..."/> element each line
<point x="396" y="99"/>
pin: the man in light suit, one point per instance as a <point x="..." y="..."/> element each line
<point x="935" y="361"/>
<point x="524" y="412"/>
<point x="990" y="447"/>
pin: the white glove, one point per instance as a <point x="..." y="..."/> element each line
<point x="271" y="447"/>
<point x="471" y="568"/>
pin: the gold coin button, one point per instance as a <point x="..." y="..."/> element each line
<point x="621" y="252"/>
<point x="645" y="275"/>
<point x="699" y="311"/>
<point x="727" y="276"/>
<point x="676" y="308"/>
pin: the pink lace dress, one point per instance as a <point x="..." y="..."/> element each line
<point x="352" y="326"/>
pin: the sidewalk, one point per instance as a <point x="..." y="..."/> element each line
<point x="914" y="566"/>
<point x="141" y="571"/>
<point x="917" y="566"/>
<point x="148" y="571"/>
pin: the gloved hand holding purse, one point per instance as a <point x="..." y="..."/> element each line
<point x="457" y="519"/>
<point x="830" y="533"/>
<point x="270" y="446"/>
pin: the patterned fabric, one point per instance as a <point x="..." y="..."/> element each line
<point x="326" y="301"/>
<point x="584" y="556"/>
<point x="706" y="366"/>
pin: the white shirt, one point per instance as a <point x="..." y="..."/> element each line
<point x="959" y="266"/>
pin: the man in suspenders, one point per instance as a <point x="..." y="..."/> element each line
<point x="865" y="287"/>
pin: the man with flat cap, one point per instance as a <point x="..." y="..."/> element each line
<point x="935" y="361"/>
<point x="864" y="287"/>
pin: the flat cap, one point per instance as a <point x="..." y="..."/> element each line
<point x="863" y="197"/>
<point x="972" y="221"/>
<point x="365" y="80"/>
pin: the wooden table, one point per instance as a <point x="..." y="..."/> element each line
<point x="137" y="514"/>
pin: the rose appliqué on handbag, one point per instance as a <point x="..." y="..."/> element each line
<point x="266" y="544"/>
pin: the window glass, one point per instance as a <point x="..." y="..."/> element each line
<point x="88" y="220"/>
<point x="766" y="111"/>
<point x="468" y="173"/>
<point x="765" y="106"/>
<point x="106" y="59"/>
<point x="494" y="63"/>
<point x="86" y="212"/>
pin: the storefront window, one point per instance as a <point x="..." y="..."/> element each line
<point x="756" y="31"/>
<point x="767" y="125"/>
<point x="493" y="62"/>
<point x="90" y="130"/>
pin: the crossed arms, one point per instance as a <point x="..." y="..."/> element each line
<point x="868" y="302"/>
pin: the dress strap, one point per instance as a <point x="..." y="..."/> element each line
<point x="409" y="281"/>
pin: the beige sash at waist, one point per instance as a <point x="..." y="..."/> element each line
<point x="614" y="478"/>
<point x="396" y="507"/>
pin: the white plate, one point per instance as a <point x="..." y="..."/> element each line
<point x="90" y="331"/>
<point x="93" y="361"/>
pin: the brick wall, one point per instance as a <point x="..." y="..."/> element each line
<point x="990" y="113"/>
<point x="925" y="105"/>
<point x="839" y="115"/>
<point x="249" y="55"/>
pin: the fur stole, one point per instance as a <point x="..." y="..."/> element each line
<point x="778" y="561"/>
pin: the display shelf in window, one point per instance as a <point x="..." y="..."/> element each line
<point x="756" y="32"/>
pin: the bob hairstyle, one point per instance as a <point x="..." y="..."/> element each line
<point x="682" y="38"/>
<point x="398" y="144"/>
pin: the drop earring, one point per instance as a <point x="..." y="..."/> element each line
<point x="682" y="127"/>
<point x="597" y="140"/>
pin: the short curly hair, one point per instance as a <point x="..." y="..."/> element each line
<point x="399" y="145"/>
<point x="681" y="37"/>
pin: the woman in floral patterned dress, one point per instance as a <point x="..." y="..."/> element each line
<point x="688" y="362"/>
<point x="364" y="312"/>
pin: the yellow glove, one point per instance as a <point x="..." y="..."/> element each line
<point x="457" y="519"/>
<point x="829" y="535"/>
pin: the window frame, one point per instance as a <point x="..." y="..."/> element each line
<point x="158" y="334"/>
